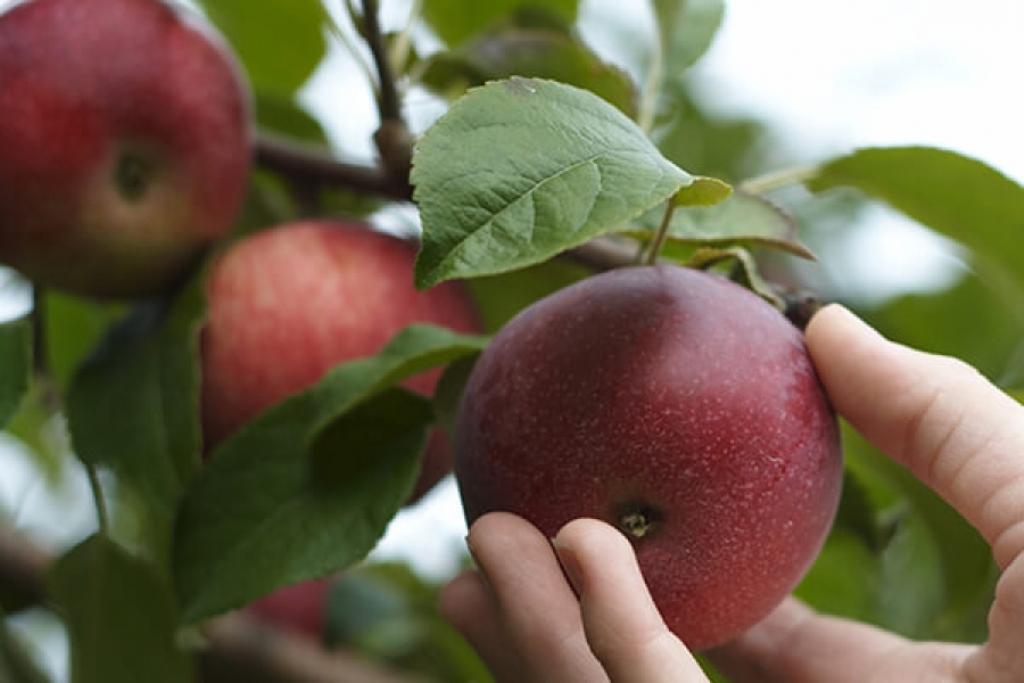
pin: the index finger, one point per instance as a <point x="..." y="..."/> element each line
<point x="939" y="417"/>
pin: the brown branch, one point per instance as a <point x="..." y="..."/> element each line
<point x="238" y="648"/>
<point x="311" y="166"/>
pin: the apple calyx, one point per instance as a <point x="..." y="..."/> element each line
<point x="132" y="175"/>
<point x="638" y="520"/>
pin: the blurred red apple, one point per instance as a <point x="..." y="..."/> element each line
<point x="677" y="406"/>
<point x="124" y="143"/>
<point x="301" y="608"/>
<point x="287" y="304"/>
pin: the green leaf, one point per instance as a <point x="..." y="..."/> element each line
<point x="740" y="220"/>
<point x="520" y="170"/>
<point x="120" y="616"/>
<point x="686" y="29"/>
<point x="457" y="20"/>
<point x="530" y="53"/>
<point x="285" y="116"/>
<point x="280" y="43"/>
<point x="73" y="328"/>
<point x="743" y="270"/>
<point x="16" y="373"/>
<point x="133" y="406"/>
<point x="703" y="192"/>
<point x="16" y="666"/>
<point x="938" y="566"/>
<point x="957" y="196"/>
<point x="500" y="297"/>
<point x="257" y="519"/>
<point x="449" y="390"/>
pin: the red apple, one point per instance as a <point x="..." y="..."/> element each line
<point x="125" y="143"/>
<point x="677" y="406"/>
<point x="301" y="608"/>
<point x="287" y="304"/>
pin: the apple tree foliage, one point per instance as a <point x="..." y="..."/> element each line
<point x="547" y="163"/>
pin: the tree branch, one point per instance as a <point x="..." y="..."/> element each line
<point x="238" y="648"/>
<point x="310" y="166"/>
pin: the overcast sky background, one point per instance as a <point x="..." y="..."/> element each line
<point x="828" y="76"/>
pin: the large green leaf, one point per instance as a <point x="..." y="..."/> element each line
<point x="280" y="43"/>
<point x="15" y="366"/>
<point x="120" y="616"/>
<point x="520" y="170"/>
<point x="134" y="404"/>
<point x="457" y="20"/>
<point x="957" y="196"/>
<point x="309" y="486"/>
<point x="532" y="53"/>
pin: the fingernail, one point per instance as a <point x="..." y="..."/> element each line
<point x="570" y="565"/>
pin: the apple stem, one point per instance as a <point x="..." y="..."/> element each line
<point x="654" y="250"/>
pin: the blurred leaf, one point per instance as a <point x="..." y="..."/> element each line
<point x="457" y="20"/>
<point x="256" y="519"/>
<point x="283" y="115"/>
<point x="387" y="612"/>
<point x="703" y="192"/>
<point x="120" y="616"/>
<point x="969" y="321"/>
<point x="687" y="28"/>
<point x="16" y="666"/>
<point x="357" y="603"/>
<point x="500" y="297"/>
<point x="134" y="404"/>
<point x="944" y="565"/>
<point x="844" y="580"/>
<point x="449" y="390"/>
<point x="73" y="328"/>
<point x="957" y="196"/>
<point x="520" y="170"/>
<point x="740" y="220"/>
<point x="532" y="54"/>
<point x="280" y="43"/>
<point x="16" y="373"/>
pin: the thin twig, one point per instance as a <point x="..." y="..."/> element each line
<point x="388" y="101"/>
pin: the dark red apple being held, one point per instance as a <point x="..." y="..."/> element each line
<point x="289" y="303"/>
<point x="677" y="406"/>
<point x="125" y="143"/>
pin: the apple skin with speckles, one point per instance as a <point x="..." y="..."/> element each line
<point x="287" y="304"/>
<point x="677" y="406"/>
<point x="125" y="143"/>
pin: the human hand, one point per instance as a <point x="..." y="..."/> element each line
<point x="935" y="415"/>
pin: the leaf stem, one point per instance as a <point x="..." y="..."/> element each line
<point x="403" y="41"/>
<point x="652" y="88"/>
<point x="779" y="179"/>
<point x="98" y="499"/>
<point x="651" y="257"/>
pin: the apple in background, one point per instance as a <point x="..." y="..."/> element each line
<point x="289" y="303"/>
<point x="677" y="406"/>
<point x="301" y="608"/>
<point x="125" y="143"/>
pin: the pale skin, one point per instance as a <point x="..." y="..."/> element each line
<point x="937" y="416"/>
